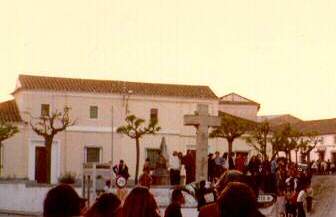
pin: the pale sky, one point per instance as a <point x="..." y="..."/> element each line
<point x="280" y="53"/>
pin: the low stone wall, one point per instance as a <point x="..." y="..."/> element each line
<point x="27" y="197"/>
<point x="23" y="196"/>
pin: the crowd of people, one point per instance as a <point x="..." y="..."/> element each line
<point x="234" y="199"/>
<point x="322" y="167"/>
<point x="235" y="183"/>
<point x="289" y="181"/>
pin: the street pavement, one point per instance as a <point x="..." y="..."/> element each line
<point x="324" y="202"/>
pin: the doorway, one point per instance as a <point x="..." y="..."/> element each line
<point x="36" y="155"/>
<point x="41" y="164"/>
<point x="321" y="155"/>
<point x="333" y="157"/>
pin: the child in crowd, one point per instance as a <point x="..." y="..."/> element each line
<point x="300" y="200"/>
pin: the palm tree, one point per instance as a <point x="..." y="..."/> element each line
<point x="134" y="129"/>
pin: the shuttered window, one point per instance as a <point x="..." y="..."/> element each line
<point x="154" y="113"/>
<point x="93" y="112"/>
<point x="92" y="155"/>
<point x="45" y="109"/>
<point x="153" y="155"/>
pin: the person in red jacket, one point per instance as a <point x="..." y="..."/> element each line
<point x="240" y="163"/>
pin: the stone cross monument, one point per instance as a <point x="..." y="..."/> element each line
<point x="202" y="121"/>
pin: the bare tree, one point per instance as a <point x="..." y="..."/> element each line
<point x="7" y="130"/>
<point x="291" y="139"/>
<point x="286" y="139"/>
<point x="259" y="138"/>
<point x="135" y="130"/>
<point x="276" y="142"/>
<point x="47" y="126"/>
<point x="313" y="139"/>
<point x="230" y="129"/>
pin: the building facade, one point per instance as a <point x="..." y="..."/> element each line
<point x="100" y="107"/>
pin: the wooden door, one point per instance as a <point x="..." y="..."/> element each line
<point x="41" y="165"/>
<point x="321" y="155"/>
<point x="333" y="157"/>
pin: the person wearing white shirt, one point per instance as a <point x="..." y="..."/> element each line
<point x="300" y="200"/>
<point x="175" y="169"/>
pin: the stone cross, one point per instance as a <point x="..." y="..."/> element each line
<point x="202" y="121"/>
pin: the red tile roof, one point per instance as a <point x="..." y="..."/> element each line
<point x="9" y="112"/>
<point x="276" y="120"/>
<point x="247" y="121"/>
<point x="323" y="127"/>
<point x="30" y="82"/>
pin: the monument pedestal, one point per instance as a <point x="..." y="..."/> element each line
<point x="161" y="180"/>
<point x="160" y="176"/>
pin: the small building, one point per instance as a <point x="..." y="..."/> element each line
<point x="239" y="106"/>
<point x="326" y="129"/>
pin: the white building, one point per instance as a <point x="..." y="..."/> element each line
<point x="100" y="106"/>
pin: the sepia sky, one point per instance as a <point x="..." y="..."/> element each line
<point x="280" y="53"/>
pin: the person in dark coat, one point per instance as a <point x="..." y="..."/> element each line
<point x="231" y="162"/>
<point x="189" y="161"/>
<point x="200" y="195"/>
<point x="121" y="170"/>
<point x="211" y="168"/>
<point x="174" y="208"/>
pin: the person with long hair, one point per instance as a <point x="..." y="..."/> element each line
<point x="213" y="209"/>
<point x="62" y="201"/>
<point x="238" y="200"/>
<point x="107" y="205"/>
<point x="140" y="203"/>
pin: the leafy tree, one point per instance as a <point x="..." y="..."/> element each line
<point x="47" y="126"/>
<point x="7" y="130"/>
<point x="259" y="138"/>
<point x="230" y="129"/>
<point x="135" y="130"/>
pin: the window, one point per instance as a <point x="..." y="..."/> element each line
<point x="153" y="155"/>
<point x="45" y="109"/>
<point x="154" y="114"/>
<point x="92" y="155"/>
<point x="93" y="112"/>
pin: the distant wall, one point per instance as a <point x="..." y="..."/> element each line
<point x="22" y="197"/>
<point x="27" y="198"/>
